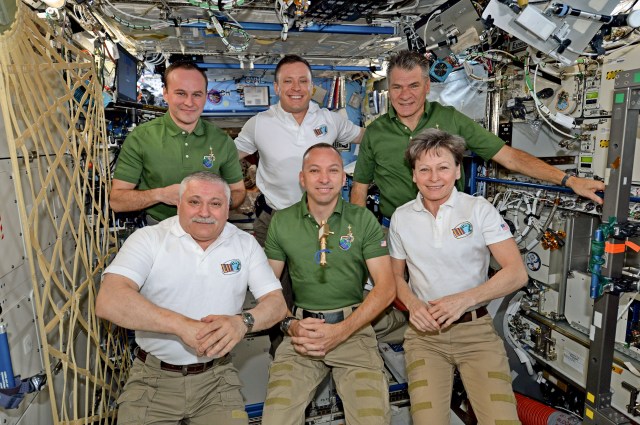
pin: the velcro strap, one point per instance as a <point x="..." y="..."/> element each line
<point x="10" y="398"/>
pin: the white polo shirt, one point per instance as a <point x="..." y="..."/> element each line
<point x="281" y="142"/>
<point x="448" y="253"/>
<point x="173" y="272"/>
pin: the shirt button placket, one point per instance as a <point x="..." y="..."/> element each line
<point x="186" y="144"/>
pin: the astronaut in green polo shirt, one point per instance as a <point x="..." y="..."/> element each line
<point x="381" y="156"/>
<point x="329" y="329"/>
<point x="157" y="155"/>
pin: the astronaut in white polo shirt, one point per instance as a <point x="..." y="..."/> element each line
<point x="283" y="133"/>
<point x="181" y="285"/>
<point x="446" y="239"/>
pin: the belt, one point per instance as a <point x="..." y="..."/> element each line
<point x="189" y="369"/>
<point x="262" y="206"/>
<point x="266" y="208"/>
<point x="328" y="316"/>
<point x="468" y="316"/>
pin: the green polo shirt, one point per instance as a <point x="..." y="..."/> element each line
<point x="381" y="157"/>
<point x="357" y="237"/>
<point x="158" y="153"/>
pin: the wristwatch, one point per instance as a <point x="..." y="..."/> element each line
<point x="286" y="324"/>
<point x="248" y="320"/>
<point x="563" y="183"/>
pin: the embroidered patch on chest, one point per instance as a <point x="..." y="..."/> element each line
<point x="462" y="230"/>
<point x="320" y="130"/>
<point x="231" y="266"/>
<point x="346" y="240"/>
<point x="208" y="160"/>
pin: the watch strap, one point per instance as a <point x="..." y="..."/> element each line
<point x="248" y="320"/>
<point x="563" y="183"/>
<point x="286" y="324"/>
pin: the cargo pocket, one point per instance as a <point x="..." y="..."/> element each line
<point x="231" y="395"/>
<point x="132" y="405"/>
<point x="369" y="348"/>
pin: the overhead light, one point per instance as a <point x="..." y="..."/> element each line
<point x="367" y="43"/>
<point x="323" y="38"/>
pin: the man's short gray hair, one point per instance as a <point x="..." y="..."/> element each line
<point x="408" y="60"/>
<point x="206" y="176"/>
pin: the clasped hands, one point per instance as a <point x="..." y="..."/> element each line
<point x="315" y="338"/>
<point x="438" y="314"/>
<point x="213" y="335"/>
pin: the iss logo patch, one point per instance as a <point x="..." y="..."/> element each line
<point x="231" y="266"/>
<point x="345" y="242"/>
<point x="207" y="162"/>
<point x="462" y="230"/>
<point x="320" y="130"/>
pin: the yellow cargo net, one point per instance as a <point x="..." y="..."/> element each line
<point x="54" y="130"/>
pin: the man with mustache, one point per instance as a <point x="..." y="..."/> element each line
<point x="181" y="285"/>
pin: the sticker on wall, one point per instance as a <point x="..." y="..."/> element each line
<point x="533" y="262"/>
<point x="214" y="96"/>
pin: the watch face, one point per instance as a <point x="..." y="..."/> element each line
<point x="248" y="320"/>
<point x="286" y="324"/>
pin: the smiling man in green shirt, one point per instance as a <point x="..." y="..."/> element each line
<point x="158" y="154"/>
<point x="381" y="157"/>
<point x="329" y="329"/>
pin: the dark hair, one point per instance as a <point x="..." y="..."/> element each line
<point x="319" y="146"/>
<point x="187" y="65"/>
<point x="408" y="60"/>
<point x="434" y="140"/>
<point x="291" y="59"/>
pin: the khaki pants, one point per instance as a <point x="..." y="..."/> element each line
<point x="356" y="366"/>
<point x="158" y="397"/>
<point x="478" y="353"/>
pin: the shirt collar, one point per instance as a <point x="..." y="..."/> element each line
<point x="313" y="108"/>
<point x="394" y="115"/>
<point x="451" y="202"/>
<point x="176" y="228"/>
<point x="174" y="129"/>
<point x="304" y="210"/>
<point x="179" y="232"/>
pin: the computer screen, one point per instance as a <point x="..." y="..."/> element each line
<point x="126" y="76"/>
